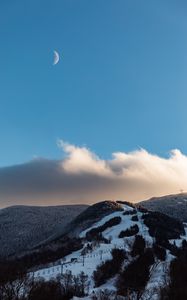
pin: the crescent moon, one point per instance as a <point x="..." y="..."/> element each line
<point x="56" y="58"/>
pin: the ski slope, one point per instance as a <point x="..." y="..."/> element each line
<point x="76" y="262"/>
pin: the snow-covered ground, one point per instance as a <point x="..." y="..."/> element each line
<point x="76" y="262"/>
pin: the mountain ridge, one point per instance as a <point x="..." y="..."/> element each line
<point x="174" y="205"/>
<point x="24" y="227"/>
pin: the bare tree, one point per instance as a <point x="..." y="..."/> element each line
<point x="14" y="289"/>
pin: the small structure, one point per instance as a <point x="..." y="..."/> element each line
<point x="73" y="259"/>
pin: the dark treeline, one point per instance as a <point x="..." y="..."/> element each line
<point x="64" y="287"/>
<point x="41" y="256"/>
<point x="176" y="285"/>
<point x="97" y="231"/>
<point x="109" y="268"/>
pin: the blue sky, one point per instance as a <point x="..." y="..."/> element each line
<point x="120" y="83"/>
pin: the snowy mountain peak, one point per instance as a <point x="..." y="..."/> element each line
<point x="124" y="251"/>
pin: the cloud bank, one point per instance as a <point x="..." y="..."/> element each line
<point x="82" y="177"/>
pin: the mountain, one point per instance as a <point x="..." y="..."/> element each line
<point x="91" y="215"/>
<point x="172" y="205"/>
<point x="24" y="227"/>
<point x="112" y="250"/>
<point x="67" y="238"/>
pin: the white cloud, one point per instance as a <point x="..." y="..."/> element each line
<point x="82" y="177"/>
<point x="81" y="160"/>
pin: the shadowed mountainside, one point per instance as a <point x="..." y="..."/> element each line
<point x="25" y="227"/>
<point x="128" y="249"/>
<point x="172" y="205"/>
<point x="91" y="215"/>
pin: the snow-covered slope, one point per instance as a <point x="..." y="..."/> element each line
<point x="96" y="251"/>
